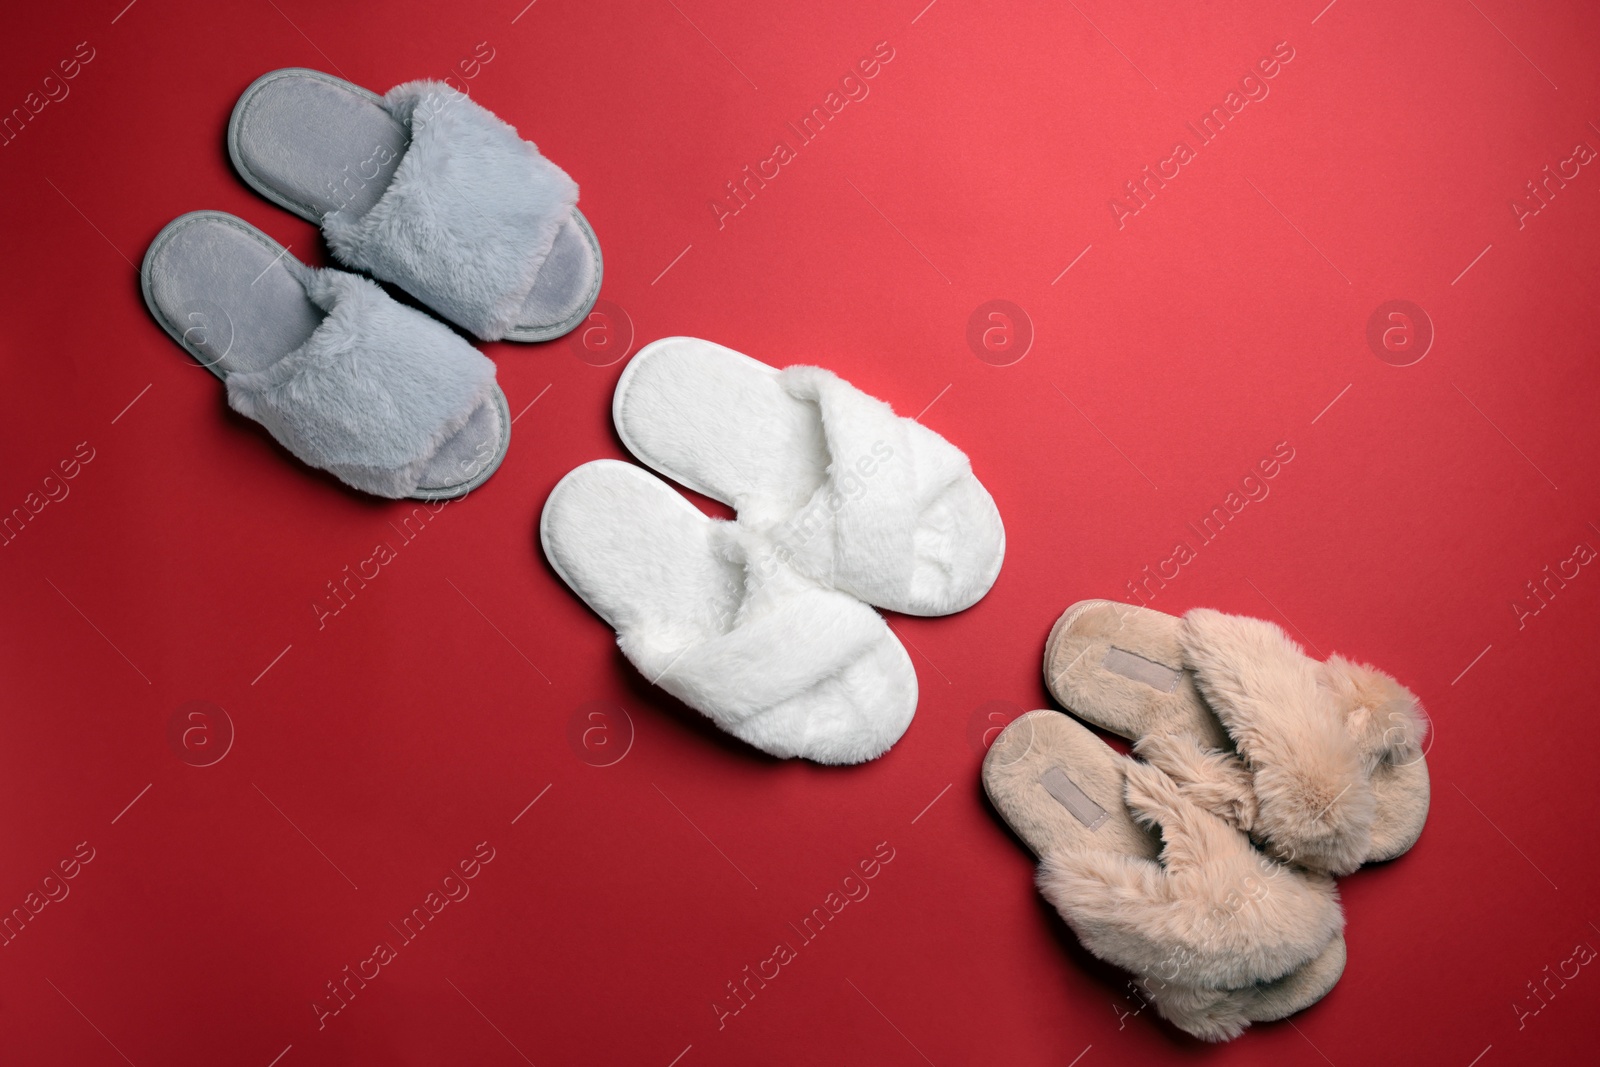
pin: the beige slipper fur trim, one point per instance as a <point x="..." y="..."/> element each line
<point x="1217" y="934"/>
<point x="1320" y="761"/>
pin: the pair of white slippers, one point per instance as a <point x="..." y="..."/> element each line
<point x="422" y="188"/>
<point x="1265" y="772"/>
<point x="763" y="624"/>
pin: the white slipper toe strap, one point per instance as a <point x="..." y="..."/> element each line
<point x="859" y="530"/>
<point x="470" y="216"/>
<point x="762" y="661"/>
<point x="373" y="393"/>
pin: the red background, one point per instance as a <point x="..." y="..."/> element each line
<point x="372" y="754"/>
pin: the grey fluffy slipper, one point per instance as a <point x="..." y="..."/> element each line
<point x="1320" y="762"/>
<point x="390" y="401"/>
<point x="1217" y="935"/>
<point x="424" y="188"/>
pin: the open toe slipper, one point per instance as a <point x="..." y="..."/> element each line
<point x="706" y="611"/>
<point x="1321" y="762"/>
<point x="1217" y="935"/>
<point x="424" y="188"/>
<point x="878" y="506"/>
<point x="387" y="399"/>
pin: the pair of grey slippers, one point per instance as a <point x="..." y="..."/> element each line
<point x="421" y="188"/>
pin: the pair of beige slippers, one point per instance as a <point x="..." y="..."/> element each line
<point x="1206" y="866"/>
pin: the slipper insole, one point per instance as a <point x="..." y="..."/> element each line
<point x="1120" y="667"/>
<point x="1060" y="788"/>
<point x="719" y="422"/>
<point x="639" y="554"/>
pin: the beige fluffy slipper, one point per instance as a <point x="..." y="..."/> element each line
<point x="1320" y="762"/>
<point x="1217" y="934"/>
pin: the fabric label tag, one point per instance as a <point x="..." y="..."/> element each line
<point x="1075" y="800"/>
<point x="1156" y="675"/>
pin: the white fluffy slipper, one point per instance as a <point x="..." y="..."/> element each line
<point x="1321" y="762"/>
<point x="424" y="188"/>
<point x="878" y="506"/>
<point x="389" y="400"/>
<point x="706" y="611"/>
<point x="1217" y="935"/>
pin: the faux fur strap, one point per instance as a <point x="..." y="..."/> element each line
<point x="860" y="528"/>
<point x="758" y="664"/>
<point x="373" y="393"/>
<point x="1384" y="717"/>
<point x="787" y="636"/>
<point x="1315" y="803"/>
<point x="1212" y="912"/>
<point x="471" y="214"/>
